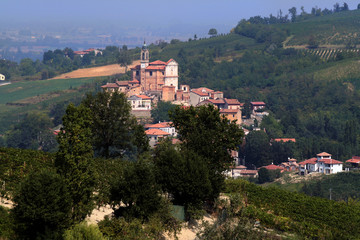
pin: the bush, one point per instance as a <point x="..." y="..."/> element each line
<point x="83" y="231"/>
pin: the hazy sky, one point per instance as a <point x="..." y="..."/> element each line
<point x="140" y="13"/>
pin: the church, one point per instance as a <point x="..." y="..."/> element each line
<point x="158" y="77"/>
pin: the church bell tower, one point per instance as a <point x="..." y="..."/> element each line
<point x="144" y="56"/>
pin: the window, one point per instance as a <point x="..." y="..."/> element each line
<point x="137" y="73"/>
<point x="150" y="73"/>
<point x="162" y="73"/>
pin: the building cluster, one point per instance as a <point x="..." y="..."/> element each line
<point x="90" y="50"/>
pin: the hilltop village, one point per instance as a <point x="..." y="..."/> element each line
<point x="158" y="81"/>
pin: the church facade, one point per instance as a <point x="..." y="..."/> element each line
<point x="153" y="76"/>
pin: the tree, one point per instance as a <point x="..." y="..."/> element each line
<point x="115" y="131"/>
<point x="183" y="174"/>
<point x="32" y="132"/>
<point x="247" y="109"/>
<point x="135" y="192"/>
<point x="337" y="7"/>
<point x="42" y="206"/>
<point x="211" y="136"/>
<point x="161" y="112"/>
<point x="292" y="12"/>
<point x="212" y="32"/>
<point x="257" y="149"/>
<point x="312" y="43"/>
<point x="27" y="67"/>
<point x="358" y="6"/>
<point x="345" y="7"/>
<point x="83" y="231"/>
<point x="124" y="58"/>
<point x="74" y="159"/>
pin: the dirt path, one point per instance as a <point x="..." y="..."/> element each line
<point x="107" y="70"/>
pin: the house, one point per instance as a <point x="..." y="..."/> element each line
<point x="273" y="167"/>
<point x="153" y="76"/>
<point x="354" y="161"/>
<point x="232" y="103"/>
<point x="140" y="102"/>
<point x="155" y="135"/>
<point x="198" y="95"/>
<point x="129" y="88"/>
<point x="255" y="106"/>
<point x="291" y="165"/>
<point x="218" y="103"/>
<point x="232" y="114"/>
<point x="323" y="163"/>
<point x="240" y="171"/>
<point x="163" y="126"/>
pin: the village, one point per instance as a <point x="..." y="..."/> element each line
<point x="158" y="81"/>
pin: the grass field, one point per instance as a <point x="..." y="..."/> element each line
<point x="39" y="96"/>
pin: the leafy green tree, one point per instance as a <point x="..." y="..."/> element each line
<point x="135" y="192"/>
<point x="74" y="159"/>
<point x="124" y="58"/>
<point x="292" y="12"/>
<point x="161" y="112"/>
<point x="358" y="6"/>
<point x="183" y="174"/>
<point x="83" y="231"/>
<point x="32" y="132"/>
<point x="257" y="149"/>
<point x="247" y="109"/>
<point x="211" y="136"/>
<point x="115" y="131"/>
<point x="42" y="206"/>
<point x="27" y="67"/>
<point x="212" y="32"/>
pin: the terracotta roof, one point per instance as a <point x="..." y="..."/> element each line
<point x="232" y="101"/>
<point x="175" y="141"/>
<point x="155" y="68"/>
<point x="323" y="154"/>
<point x="292" y="160"/>
<point x="144" y="97"/>
<point x="285" y="140"/>
<point x="229" y="110"/>
<point x="216" y="101"/>
<point x="308" y="161"/>
<point x="249" y="172"/>
<point x="110" y="85"/>
<point x="272" y="167"/>
<point x="238" y="167"/>
<point x="170" y="61"/>
<point x="122" y="83"/>
<point x="203" y="89"/>
<point x="159" y="125"/>
<point x="80" y="52"/>
<point x="330" y="161"/>
<point x="134" y="81"/>
<point x="156" y="132"/>
<point x="258" y="103"/>
<point x="199" y="92"/>
<point x="354" y="160"/>
<point x="157" y="62"/>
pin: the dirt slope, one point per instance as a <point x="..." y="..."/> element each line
<point x="107" y="70"/>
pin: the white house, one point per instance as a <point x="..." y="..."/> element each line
<point x="155" y="135"/>
<point x="140" y="102"/>
<point x="2" y="77"/>
<point x="199" y="94"/>
<point x="323" y="163"/>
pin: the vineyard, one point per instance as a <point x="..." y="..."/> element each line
<point x="331" y="54"/>
<point x="308" y="217"/>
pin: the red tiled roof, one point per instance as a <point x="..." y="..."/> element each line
<point x="258" y="103"/>
<point x="232" y="101"/>
<point x="155" y="68"/>
<point x="249" y="172"/>
<point x="292" y="160"/>
<point x="229" y="110"/>
<point x="330" y="161"/>
<point x="203" y="89"/>
<point x="272" y="167"/>
<point x="175" y="141"/>
<point x="169" y="61"/>
<point x="122" y="83"/>
<point x="159" y="125"/>
<point x="199" y="92"/>
<point x="308" y="161"/>
<point x="323" y="154"/>
<point x="144" y="97"/>
<point x="156" y="131"/>
<point x="134" y="81"/>
<point x="353" y="160"/>
<point x="110" y="85"/>
<point x="285" y="140"/>
<point x="157" y="62"/>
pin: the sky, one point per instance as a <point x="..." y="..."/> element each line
<point x="224" y="14"/>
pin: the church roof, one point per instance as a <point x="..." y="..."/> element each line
<point x="157" y="62"/>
